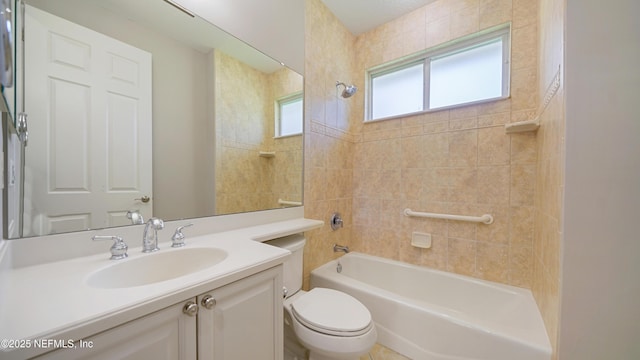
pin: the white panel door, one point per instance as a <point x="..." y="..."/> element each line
<point x="88" y="98"/>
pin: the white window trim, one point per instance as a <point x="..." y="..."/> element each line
<point x="448" y="48"/>
<point x="285" y="100"/>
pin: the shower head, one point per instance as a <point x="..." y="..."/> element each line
<point x="348" y="91"/>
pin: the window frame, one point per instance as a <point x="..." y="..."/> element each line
<point x="449" y="48"/>
<point x="288" y="99"/>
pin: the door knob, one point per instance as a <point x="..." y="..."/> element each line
<point x="145" y="199"/>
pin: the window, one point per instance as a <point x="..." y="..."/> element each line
<point x="289" y="112"/>
<point x="470" y="70"/>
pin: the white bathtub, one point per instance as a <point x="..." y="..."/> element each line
<point x="427" y="314"/>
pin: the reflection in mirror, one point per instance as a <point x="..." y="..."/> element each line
<point x="136" y="107"/>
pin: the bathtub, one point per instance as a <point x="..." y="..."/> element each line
<point x="427" y="314"/>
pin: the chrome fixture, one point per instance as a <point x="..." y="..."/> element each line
<point x="190" y="308"/>
<point x="336" y="221"/>
<point x="22" y="128"/>
<point x="338" y="248"/>
<point x="208" y="302"/>
<point x="150" y="238"/>
<point x="119" y="248"/>
<point x="135" y="217"/>
<point x="177" y="240"/>
<point x="348" y="91"/>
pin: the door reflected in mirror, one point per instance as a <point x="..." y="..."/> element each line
<point x="124" y="108"/>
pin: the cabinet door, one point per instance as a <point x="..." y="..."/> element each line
<point x="245" y="320"/>
<point x="166" y="334"/>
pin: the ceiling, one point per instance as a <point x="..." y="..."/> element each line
<point x="360" y="16"/>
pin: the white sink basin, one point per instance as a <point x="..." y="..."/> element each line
<point x="155" y="267"/>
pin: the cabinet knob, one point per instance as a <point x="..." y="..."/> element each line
<point x="208" y="302"/>
<point x="190" y="308"/>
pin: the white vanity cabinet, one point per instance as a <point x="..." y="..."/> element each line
<point x="166" y="334"/>
<point x="240" y="320"/>
<point x="243" y="320"/>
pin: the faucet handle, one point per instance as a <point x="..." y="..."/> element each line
<point x="178" y="237"/>
<point x="118" y="249"/>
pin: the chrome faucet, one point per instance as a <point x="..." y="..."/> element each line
<point x="135" y="217"/>
<point x="338" y="248"/>
<point x="150" y="238"/>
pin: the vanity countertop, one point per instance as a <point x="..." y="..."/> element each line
<point x="53" y="301"/>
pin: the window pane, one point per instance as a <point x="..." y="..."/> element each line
<point x="471" y="75"/>
<point x="399" y="92"/>
<point x="291" y="118"/>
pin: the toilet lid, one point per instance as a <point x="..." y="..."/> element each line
<point x="332" y="312"/>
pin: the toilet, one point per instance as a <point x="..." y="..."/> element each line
<point x="328" y="323"/>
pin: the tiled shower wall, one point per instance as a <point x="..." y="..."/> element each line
<point x="329" y="140"/>
<point x="550" y="174"/>
<point x="455" y="161"/>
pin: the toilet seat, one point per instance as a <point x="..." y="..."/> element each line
<point x="332" y="312"/>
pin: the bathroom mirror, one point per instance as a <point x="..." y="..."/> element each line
<point x="135" y="107"/>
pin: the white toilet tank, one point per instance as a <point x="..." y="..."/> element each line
<point x="292" y="278"/>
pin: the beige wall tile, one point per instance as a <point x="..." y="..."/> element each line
<point x="493" y="146"/>
<point x="498" y="231"/>
<point x="523" y="148"/>
<point x="463" y="187"/>
<point x="412" y="184"/>
<point x="438" y="31"/>
<point x="437" y="10"/>
<point x="524" y="43"/>
<point x="465" y="18"/>
<point x="462" y="256"/>
<point x="525" y="12"/>
<point x="493" y="262"/>
<point x="463" y="148"/>
<point x="523" y="84"/>
<point x="523" y="178"/>
<point x="521" y="225"/>
<point x="493" y="184"/>
<point x="520" y="266"/>
<point x="413" y="152"/>
<point x="494" y="12"/>
<point x="549" y="166"/>
<point x="435" y="150"/>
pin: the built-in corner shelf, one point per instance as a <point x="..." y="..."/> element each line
<point x="267" y="154"/>
<point x="533" y="125"/>
<point x="522" y="126"/>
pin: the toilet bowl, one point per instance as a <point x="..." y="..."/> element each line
<point x="330" y="324"/>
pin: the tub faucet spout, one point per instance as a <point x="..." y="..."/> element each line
<point x="338" y="248"/>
